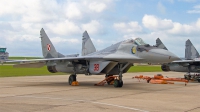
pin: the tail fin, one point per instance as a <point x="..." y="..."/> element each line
<point x="48" y="49"/>
<point x="87" y="45"/>
<point x="190" y="50"/>
<point x="159" y="44"/>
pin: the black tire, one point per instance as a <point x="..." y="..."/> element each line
<point x="121" y="83"/>
<point x="198" y="80"/>
<point x="116" y="83"/>
<point x="71" y="79"/>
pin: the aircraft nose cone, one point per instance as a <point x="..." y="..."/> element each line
<point x="164" y="55"/>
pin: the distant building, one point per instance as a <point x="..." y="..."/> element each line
<point x="3" y="54"/>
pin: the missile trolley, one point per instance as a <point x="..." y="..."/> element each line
<point x="192" y="76"/>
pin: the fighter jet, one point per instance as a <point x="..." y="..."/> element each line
<point x="113" y="60"/>
<point x="191" y="62"/>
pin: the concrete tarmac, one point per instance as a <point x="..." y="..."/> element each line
<point x="53" y="94"/>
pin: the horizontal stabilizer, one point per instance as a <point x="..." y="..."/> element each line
<point x="30" y="65"/>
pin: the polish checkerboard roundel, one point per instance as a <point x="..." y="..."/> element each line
<point x="48" y="47"/>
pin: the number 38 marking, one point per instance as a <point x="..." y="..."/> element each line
<point x="96" y="67"/>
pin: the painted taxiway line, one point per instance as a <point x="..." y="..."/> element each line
<point x="120" y="106"/>
<point x="108" y="104"/>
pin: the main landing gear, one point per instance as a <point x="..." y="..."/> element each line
<point x="111" y="80"/>
<point x="115" y="80"/>
<point x="118" y="82"/>
<point x="72" y="80"/>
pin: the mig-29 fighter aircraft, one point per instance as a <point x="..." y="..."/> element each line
<point x="191" y="63"/>
<point x="113" y="60"/>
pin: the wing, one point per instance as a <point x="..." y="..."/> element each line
<point x="36" y="63"/>
<point x="187" y="61"/>
<point x="111" y="57"/>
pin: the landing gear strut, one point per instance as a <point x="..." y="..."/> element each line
<point x="72" y="78"/>
<point x="119" y="82"/>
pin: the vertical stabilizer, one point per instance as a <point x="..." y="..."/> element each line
<point x="87" y="45"/>
<point x="159" y="44"/>
<point x="190" y="50"/>
<point x="48" y="49"/>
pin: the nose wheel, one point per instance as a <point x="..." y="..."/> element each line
<point x="72" y="80"/>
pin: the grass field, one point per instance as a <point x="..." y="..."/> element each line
<point x="9" y="71"/>
<point x="145" y="68"/>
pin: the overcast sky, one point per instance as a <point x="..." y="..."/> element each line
<point x="107" y="22"/>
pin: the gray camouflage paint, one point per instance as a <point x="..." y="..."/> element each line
<point x="87" y="45"/>
<point x="187" y="65"/>
<point x="190" y="51"/>
<point x="51" y="53"/>
<point x="106" y="59"/>
<point x="45" y="42"/>
<point x="159" y="44"/>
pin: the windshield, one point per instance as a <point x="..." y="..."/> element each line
<point x="2" y="49"/>
<point x="139" y="41"/>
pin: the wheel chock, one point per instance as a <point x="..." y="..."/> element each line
<point x="75" y="83"/>
<point x="107" y="79"/>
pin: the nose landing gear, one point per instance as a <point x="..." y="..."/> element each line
<point x="72" y="80"/>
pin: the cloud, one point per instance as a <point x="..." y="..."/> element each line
<point x="11" y="37"/>
<point x="198" y="23"/>
<point x="30" y="11"/>
<point x="97" y="7"/>
<point x="92" y="27"/>
<point x="196" y="9"/>
<point x="61" y="18"/>
<point x="183" y="29"/>
<point x="161" y="8"/>
<point x="168" y="26"/>
<point x="72" y="11"/>
<point x="153" y="23"/>
<point x="6" y="26"/>
<point x="130" y="27"/>
<point x="59" y="40"/>
<point x="188" y="0"/>
<point x="64" y="21"/>
<point x="63" y="27"/>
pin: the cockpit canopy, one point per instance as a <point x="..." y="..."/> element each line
<point x="137" y="41"/>
<point x="141" y="45"/>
